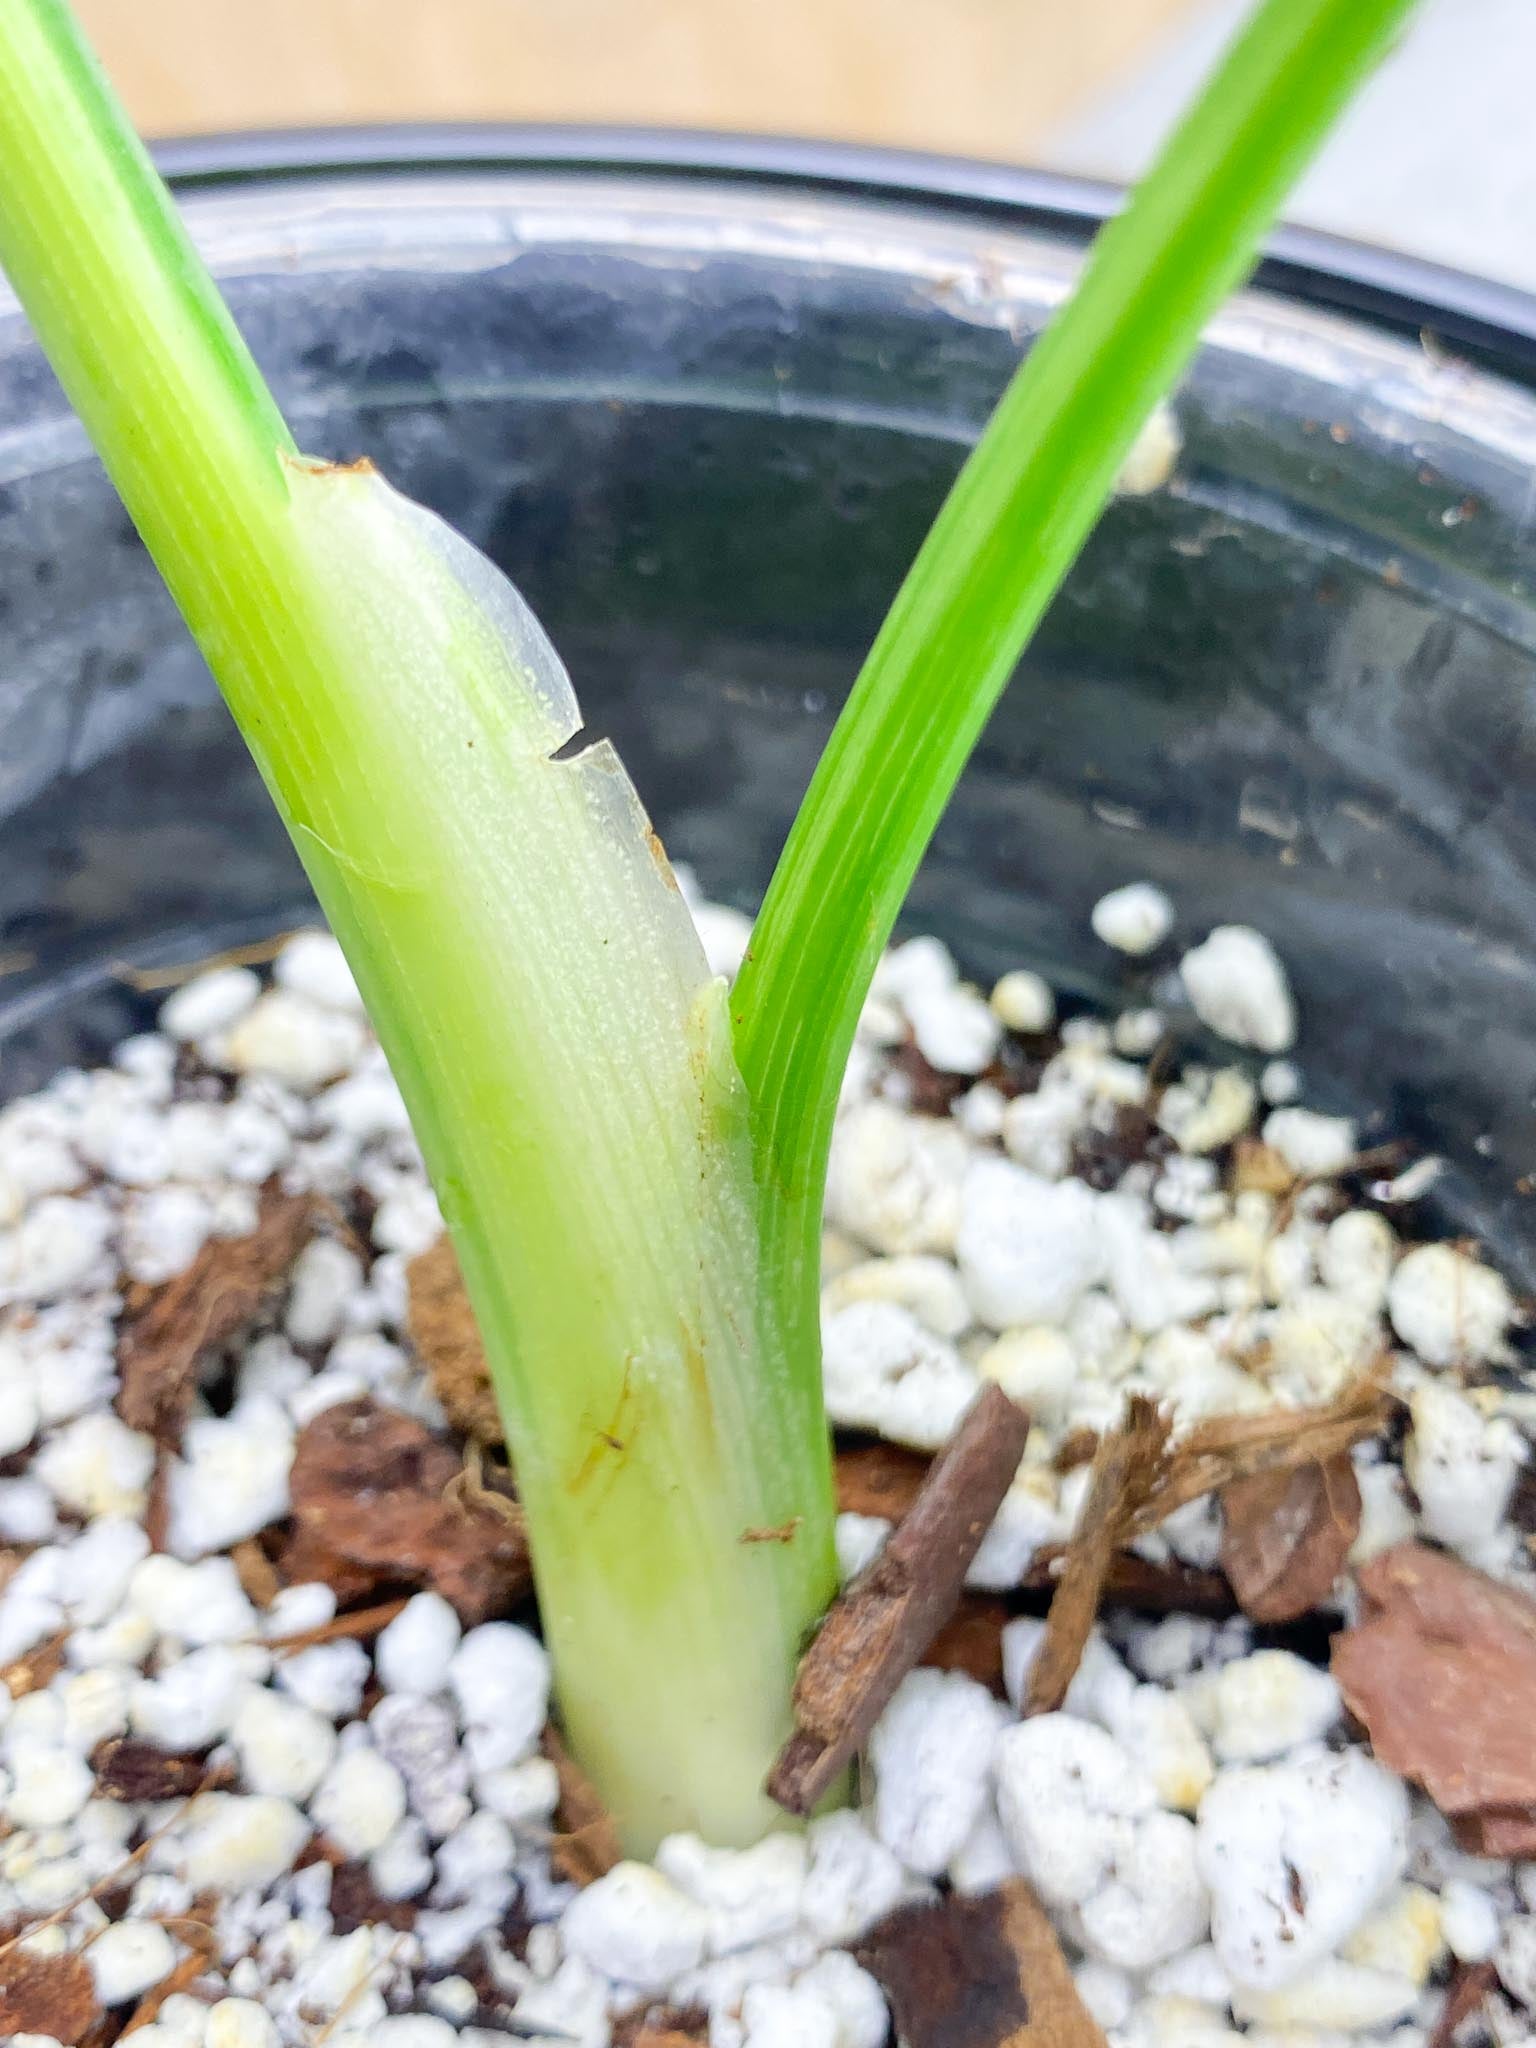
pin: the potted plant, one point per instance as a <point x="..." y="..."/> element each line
<point x="768" y="1590"/>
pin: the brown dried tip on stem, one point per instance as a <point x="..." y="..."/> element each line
<point x="442" y="1327"/>
<point x="163" y="1340"/>
<point x="1442" y="1674"/>
<point x="1126" y="1467"/>
<point x="1469" y="1986"/>
<point x="984" y="1972"/>
<point x="1286" y="1536"/>
<point x="881" y="1625"/>
<point x="49" y="1995"/>
<point x="586" y="1844"/>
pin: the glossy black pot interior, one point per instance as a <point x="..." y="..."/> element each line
<point x="702" y="406"/>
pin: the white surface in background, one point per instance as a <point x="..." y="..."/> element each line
<point x="1438" y="156"/>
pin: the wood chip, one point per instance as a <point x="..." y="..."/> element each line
<point x="1502" y="1832"/>
<point x="879" y="1479"/>
<point x="256" y="1572"/>
<point x="131" y="1769"/>
<point x="1441" y="1671"/>
<point x="1126" y="1467"/>
<point x="1286" y="1536"/>
<point x="881" y="1624"/>
<point x="163" y="1340"/>
<point x="663" y="2027"/>
<point x="984" y="1972"/>
<point x="1146" y="1585"/>
<point x="42" y="1994"/>
<point x="972" y="1641"/>
<point x="1259" y="1169"/>
<point x="40" y="1666"/>
<point x="375" y="1489"/>
<point x="442" y="1326"/>
<point x="586" y="1843"/>
<point x="1468" y="1988"/>
<point x="1214" y="1454"/>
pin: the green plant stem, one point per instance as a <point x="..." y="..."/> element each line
<point x="1000" y="548"/>
<point x="534" y="978"/>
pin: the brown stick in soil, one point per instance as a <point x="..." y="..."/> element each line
<point x="164" y="1339"/>
<point x="1467" y="1989"/>
<point x="1126" y="1467"/>
<point x="878" y="1629"/>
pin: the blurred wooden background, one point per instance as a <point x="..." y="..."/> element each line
<point x="989" y="77"/>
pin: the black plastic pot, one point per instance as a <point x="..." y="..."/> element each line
<point x="700" y="397"/>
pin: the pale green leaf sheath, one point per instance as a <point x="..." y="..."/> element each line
<point x="533" y="975"/>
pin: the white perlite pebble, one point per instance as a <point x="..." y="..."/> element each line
<point x="327" y="1677"/>
<point x="1134" y="919"/>
<point x="97" y="1466"/>
<point x="927" y="1287"/>
<point x="1035" y="1367"/>
<point x="420" y="1738"/>
<point x="1239" y="989"/>
<point x="283" y="1747"/>
<point x="294" y="1039"/>
<point x="50" y="1784"/>
<point x="1259" y="1707"/>
<point x="232" y="1841"/>
<point x="500" y="1677"/>
<point x="1027" y="1248"/>
<point x="1449" y="1308"/>
<point x="860" y="1540"/>
<point x="196" y="1603"/>
<point x="751" y="1895"/>
<point x="312" y="964"/>
<point x="634" y="1925"/>
<point x="18" y="1408"/>
<point x="1462" y="1465"/>
<point x="231" y="1479"/>
<point x="125" y="1960"/>
<point x="852" y="1881"/>
<point x="955" y="1030"/>
<point x="1295" y="1856"/>
<point x="414" y="1652"/>
<point x="1469" y="1920"/>
<point x="1023" y="1002"/>
<point x="240" y="2023"/>
<point x="894" y="1181"/>
<point x="1311" y="1145"/>
<point x="209" y="1002"/>
<point x="1065" y="1793"/>
<point x="931" y="1752"/>
<point x="194" y="1701"/>
<point x="884" y="1371"/>
<point x="326" y="1275"/>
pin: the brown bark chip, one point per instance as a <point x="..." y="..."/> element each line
<point x="881" y="1624"/>
<point x="1442" y="1673"/>
<point x="879" y="1479"/>
<point x="46" y="1995"/>
<point x="131" y="1769"/>
<point x="983" y="1972"/>
<point x="586" y="1844"/>
<point x="378" y="1491"/>
<point x="163" y="1340"/>
<point x="972" y="1641"/>
<point x="1286" y="1535"/>
<point x="442" y="1327"/>
<point x="1126" y="1468"/>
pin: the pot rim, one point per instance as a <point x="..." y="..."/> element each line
<point x="1493" y="323"/>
